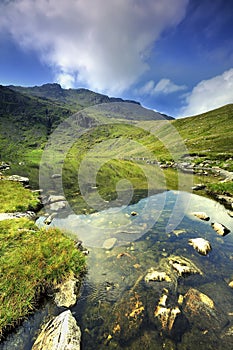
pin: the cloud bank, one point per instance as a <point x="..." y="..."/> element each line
<point x="101" y="44"/>
<point x="209" y="94"/>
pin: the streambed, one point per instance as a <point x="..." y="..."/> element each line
<point x="117" y="306"/>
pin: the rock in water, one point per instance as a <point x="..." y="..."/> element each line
<point x="183" y="266"/>
<point x="201" y="245"/>
<point x="220" y="229"/>
<point x="62" y="333"/>
<point x="66" y="295"/>
<point x="154" y="275"/>
<point x="109" y="243"/>
<point x="201" y="215"/>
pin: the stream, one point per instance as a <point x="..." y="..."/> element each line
<point x="117" y="305"/>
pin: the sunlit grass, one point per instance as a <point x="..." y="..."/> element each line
<point x="31" y="260"/>
<point x="14" y="197"/>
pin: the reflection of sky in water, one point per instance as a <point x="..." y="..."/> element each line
<point x="168" y="207"/>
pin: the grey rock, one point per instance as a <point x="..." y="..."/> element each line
<point x="17" y="178"/>
<point x="17" y="215"/>
<point x="56" y="176"/>
<point x="67" y="293"/>
<point x="62" y="333"/>
<point x="109" y="243"/>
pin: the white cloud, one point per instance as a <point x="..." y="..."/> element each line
<point x="164" y="86"/>
<point x="101" y="44"/>
<point x="209" y="94"/>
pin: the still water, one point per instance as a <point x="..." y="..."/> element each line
<point x="119" y="308"/>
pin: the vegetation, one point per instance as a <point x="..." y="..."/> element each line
<point x="225" y="188"/>
<point x="14" y="197"/>
<point x="32" y="260"/>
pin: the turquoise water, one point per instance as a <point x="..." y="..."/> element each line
<point x="117" y="307"/>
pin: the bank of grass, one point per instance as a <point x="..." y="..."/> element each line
<point x="225" y="188"/>
<point x="31" y="261"/>
<point x="14" y="197"/>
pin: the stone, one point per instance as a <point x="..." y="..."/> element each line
<point x="201" y="215"/>
<point x="17" y="215"/>
<point x="56" y="176"/>
<point x="230" y="284"/>
<point x="109" y="243"/>
<point x="55" y="198"/>
<point x="62" y="333"/>
<point x="49" y="219"/>
<point x="154" y="275"/>
<point x="17" y="178"/>
<point x="56" y="206"/>
<point x="201" y="245"/>
<point x="67" y="293"/>
<point x="200" y="309"/>
<point x="198" y="187"/>
<point x="220" y="228"/>
<point x="183" y="266"/>
<point x="133" y="213"/>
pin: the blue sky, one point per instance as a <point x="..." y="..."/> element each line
<point x="175" y="56"/>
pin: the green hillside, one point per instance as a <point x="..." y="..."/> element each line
<point x="28" y="116"/>
<point x="210" y="133"/>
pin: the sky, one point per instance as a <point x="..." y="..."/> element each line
<point x="174" y="56"/>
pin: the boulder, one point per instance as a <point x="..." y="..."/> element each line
<point x="62" y="333"/>
<point x="200" y="310"/>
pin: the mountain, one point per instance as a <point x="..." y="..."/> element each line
<point x="75" y="99"/>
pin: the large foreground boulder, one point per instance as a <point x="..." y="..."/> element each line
<point x="62" y="333"/>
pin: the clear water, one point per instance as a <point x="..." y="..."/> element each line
<point x="116" y="308"/>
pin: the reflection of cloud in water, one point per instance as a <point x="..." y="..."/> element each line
<point x="168" y="208"/>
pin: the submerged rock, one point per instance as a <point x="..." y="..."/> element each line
<point x="183" y="265"/>
<point x="171" y="320"/>
<point x="154" y="275"/>
<point x="220" y="228"/>
<point x="201" y="245"/>
<point x="109" y="243"/>
<point x="201" y="215"/>
<point x="201" y="310"/>
<point x="62" y="333"/>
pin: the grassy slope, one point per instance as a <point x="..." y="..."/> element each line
<point x="210" y="133"/>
